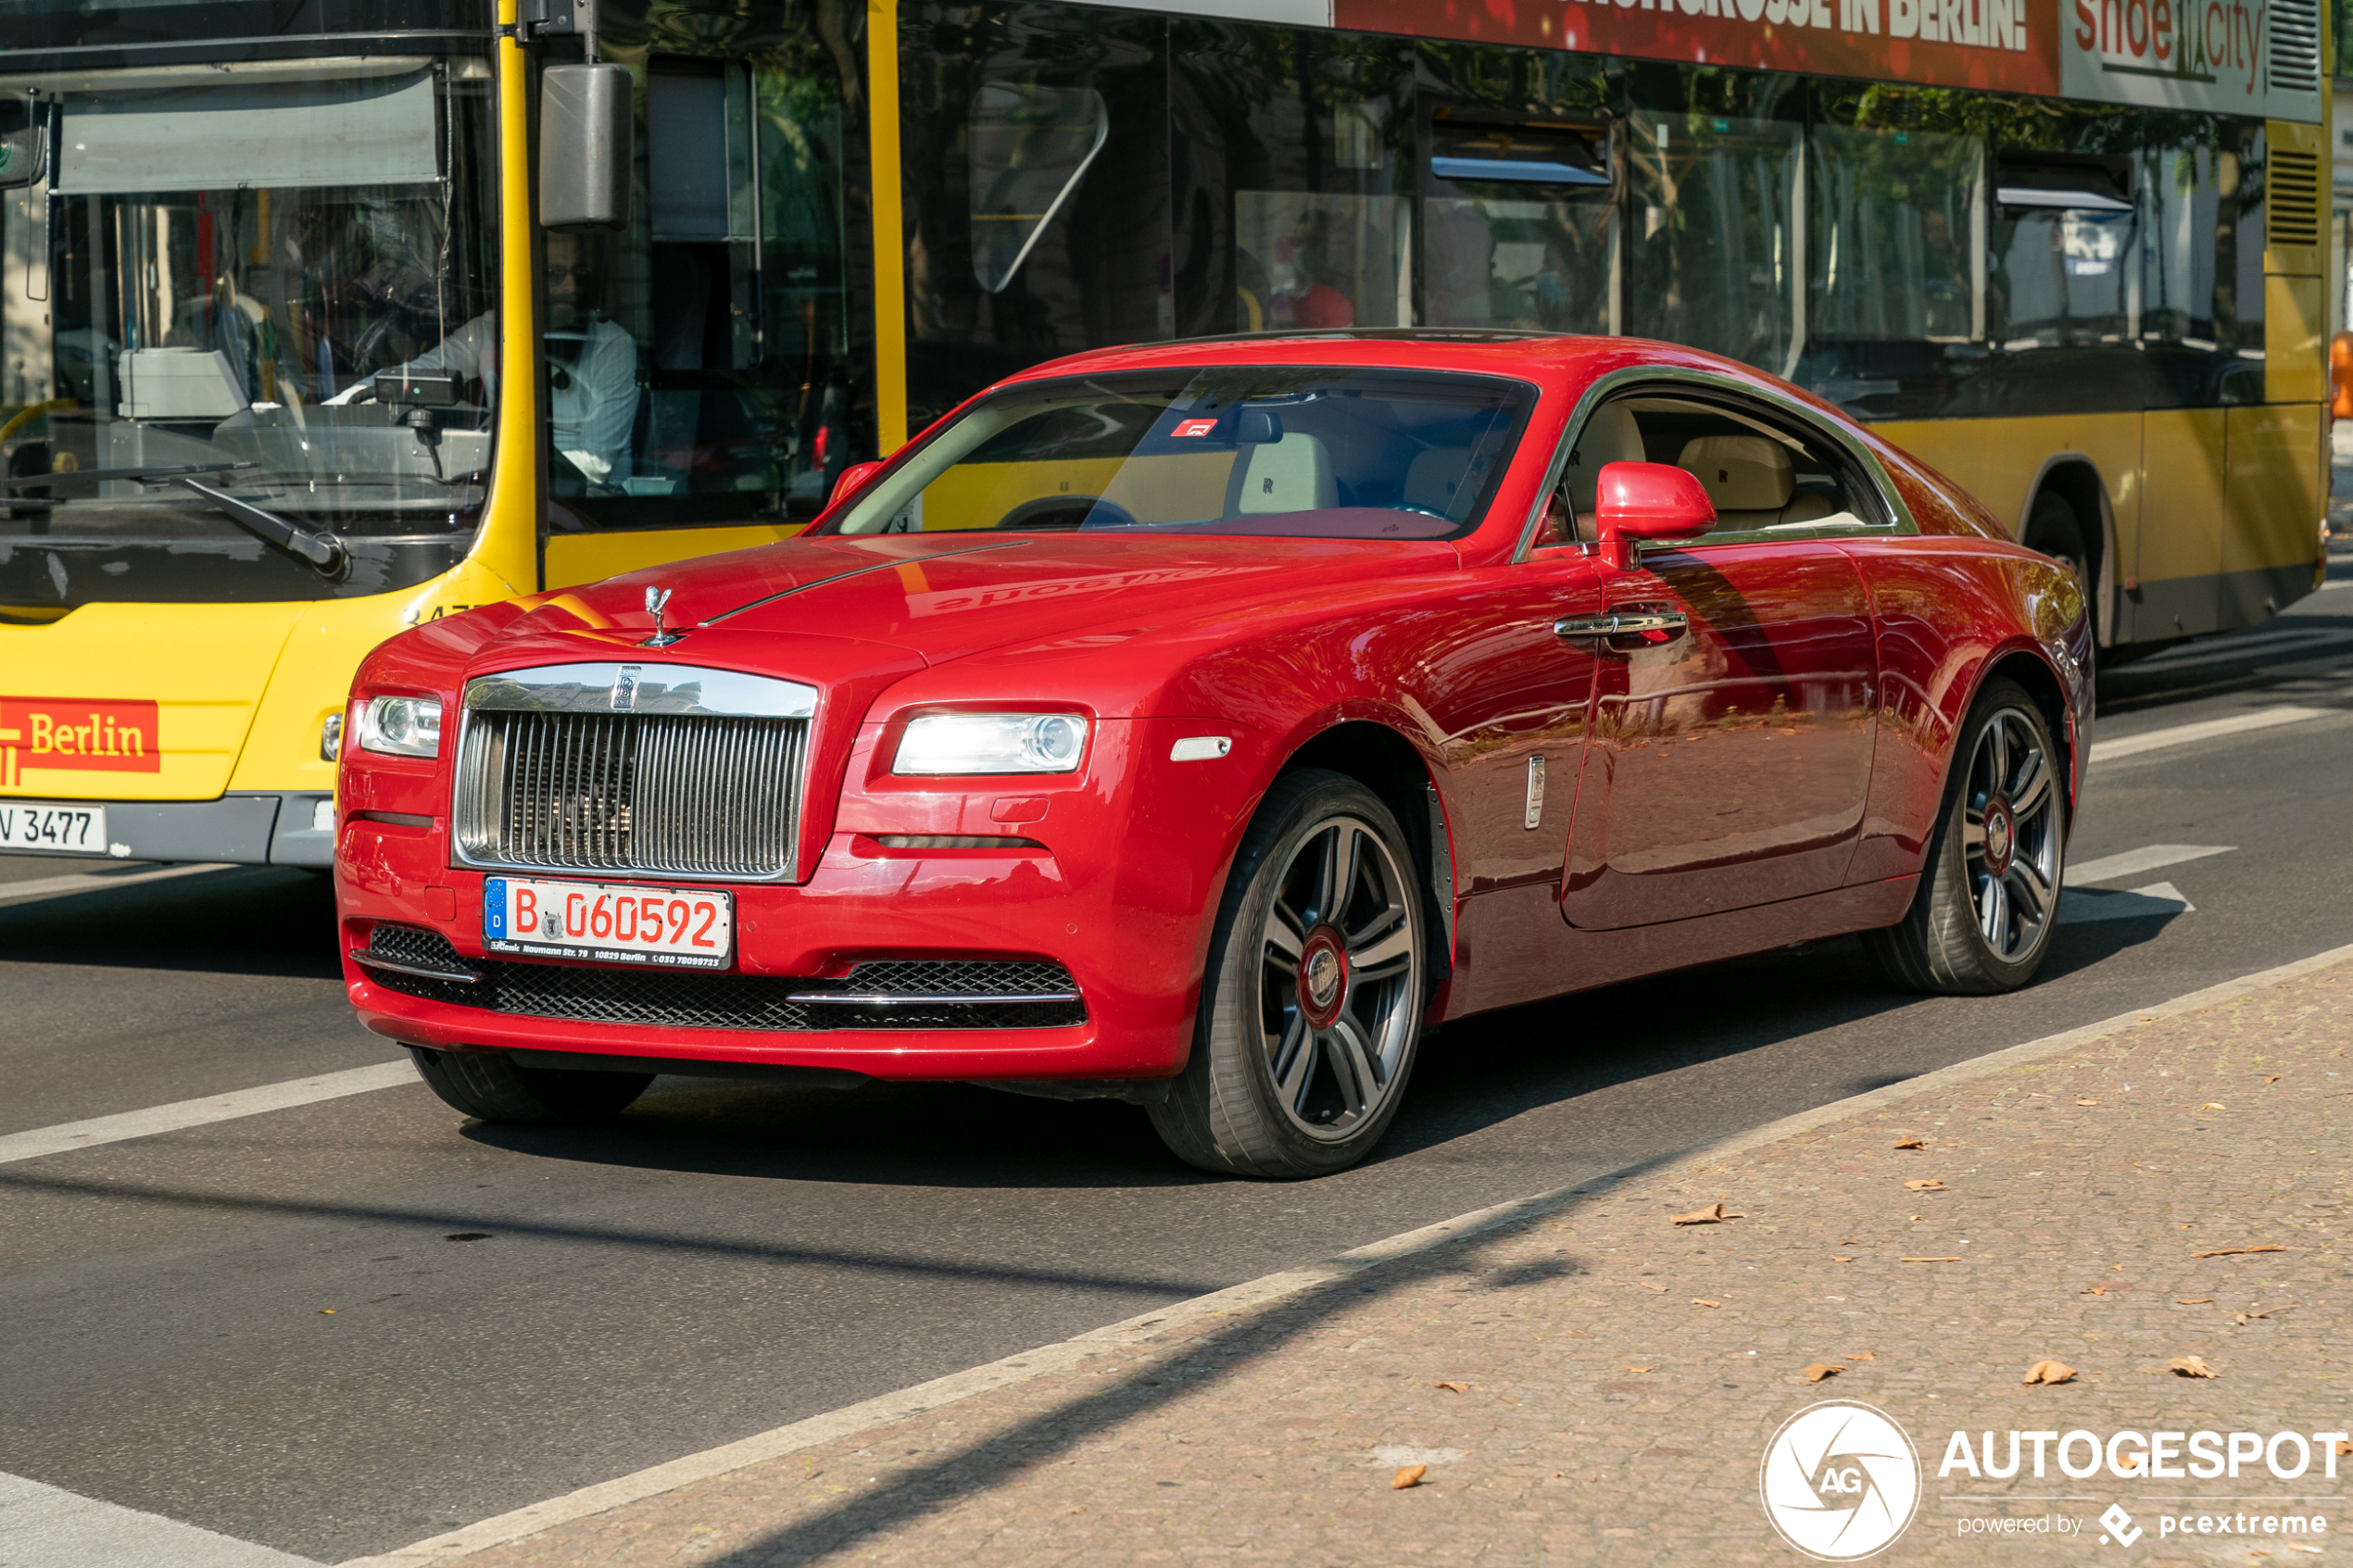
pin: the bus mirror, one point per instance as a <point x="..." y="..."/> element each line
<point x="586" y="152"/>
<point x="23" y="147"/>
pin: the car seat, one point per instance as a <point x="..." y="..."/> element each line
<point x="1433" y="478"/>
<point x="1291" y="475"/>
<point x="1753" y="482"/>
<point x="1611" y="435"/>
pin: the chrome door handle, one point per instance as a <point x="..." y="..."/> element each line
<point x="1672" y="623"/>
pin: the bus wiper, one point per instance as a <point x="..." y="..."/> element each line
<point x="322" y="549"/>
<point x="166" y="470"/>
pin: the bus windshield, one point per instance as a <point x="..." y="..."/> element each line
<point x="227" y="301"/>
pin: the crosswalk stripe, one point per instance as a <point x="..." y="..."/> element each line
<point x="2183" y="734"/>
<point x="68" y="1135"/>
<point x="2131" y="863"/>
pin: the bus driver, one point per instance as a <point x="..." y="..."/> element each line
<point x="591" y="366"/>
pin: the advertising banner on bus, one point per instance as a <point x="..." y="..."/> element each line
<point x="2254" y="58"/>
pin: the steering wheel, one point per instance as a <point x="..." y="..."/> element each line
<point x="1066" y="513"/>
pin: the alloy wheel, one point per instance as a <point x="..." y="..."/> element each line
<point x="2009" y="836"/>
<point x="1339" y="974"/>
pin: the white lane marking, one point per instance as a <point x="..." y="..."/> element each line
<point x="95" y="881"/>
<point x="2245" y="643"/>
<point x="2341" y="583"/>
<point x="2183" y="734"/>
<point x="66" y="1136"/>
<point x="1237" y="1301"/>
<point x="2134" y="862"/>
<point x="2086" y="905"/>
<point x="43" y="1527"/>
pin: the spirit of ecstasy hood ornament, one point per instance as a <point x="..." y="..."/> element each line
<point x="656" y="600"/>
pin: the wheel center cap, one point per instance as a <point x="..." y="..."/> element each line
<point x="1322" y="976"/>
<point x="1999" y="836"/>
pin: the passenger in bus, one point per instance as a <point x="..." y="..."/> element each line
<point x="591" y="366"/>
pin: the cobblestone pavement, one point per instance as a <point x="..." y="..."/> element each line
<point x="1593" y="1383"/>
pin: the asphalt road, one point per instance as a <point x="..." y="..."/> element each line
<point x="267" y="1326"/>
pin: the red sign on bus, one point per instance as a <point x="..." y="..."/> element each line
<point x="80" y="733"/>
<point x="2009" y="45"/>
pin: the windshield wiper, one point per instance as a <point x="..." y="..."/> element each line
<point x="322" y="549"/>
<point x="26" y="482"/>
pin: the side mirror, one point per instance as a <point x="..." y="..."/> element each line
<point x="853" y="479"/>
<point x="585" y="150"/>
<point x="1639" y="501"/>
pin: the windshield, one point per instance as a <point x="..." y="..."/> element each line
<point x="207" y="269"/>
<point x="1300" y="452"/>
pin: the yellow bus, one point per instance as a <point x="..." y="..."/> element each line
<point x="263" y="266"/>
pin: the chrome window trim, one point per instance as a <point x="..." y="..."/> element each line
<point x="654" y="687"/>
<point x="574" y="688"/>
<point x="1666" y="377"/>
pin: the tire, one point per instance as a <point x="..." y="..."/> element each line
<point x="1310" y="1014"/>
<point x="1982" y="920"/>
<point x="488" y="1084"/>
<point x="2055" y="530"/>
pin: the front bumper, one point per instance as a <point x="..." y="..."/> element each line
<point x="250" y="828"/>
<point x="1120" y="897"/>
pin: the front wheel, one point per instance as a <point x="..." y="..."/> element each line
<point x="1988" y="898"/>
<point x="488" y="1084"/>
<point x="1313" y="1001"/>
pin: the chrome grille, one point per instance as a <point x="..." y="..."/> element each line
<point x="551" y="777"/>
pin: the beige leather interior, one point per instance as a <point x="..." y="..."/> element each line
<point x="1753" y="482"/>
<point x="1610" y="437"/>
<point x="1431" y="478"/>
<point x="1291" y="475"/>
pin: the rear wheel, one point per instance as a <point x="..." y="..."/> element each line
<point x="1988" y="898"/>
<point x="488" y="1084"/>
<point x="1313" y="1002"/>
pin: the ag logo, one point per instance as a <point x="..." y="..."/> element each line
<point x="1839" y="1481"/>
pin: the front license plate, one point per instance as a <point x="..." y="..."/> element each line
<point x="56" y="830"/>
<point x="610" y="923"/>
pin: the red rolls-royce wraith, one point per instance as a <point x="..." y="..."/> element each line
<point x="1199" y="724"/>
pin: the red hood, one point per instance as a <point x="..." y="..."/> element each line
<point x="945" y="595"/>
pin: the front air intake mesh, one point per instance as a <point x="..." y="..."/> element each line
<point x="698" y="1000"/>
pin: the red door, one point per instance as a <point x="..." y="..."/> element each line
<point x="1730" y="756"/>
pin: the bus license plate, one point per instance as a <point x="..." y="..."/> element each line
<point x="52" y="829"/>
<point x="608" y="923"/>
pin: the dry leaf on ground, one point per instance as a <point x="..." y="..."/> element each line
<point x="2214" y="1104"/>
<point x="2189" y="1366"/>
<point x="2343" y="1448"/>
<point x="1453" y="1388"/>
<point x="1836" y="1258"/>
<point x="1701" y="1301"/>
<point x="2049" y="1371"/>
<point x="2195" y="1301"/>
<point x="1648" y="1286"/>
<point x="2236" y="1251"/>
<point x="1820" y="1369"/>
<point x="1910" y="1143"/>
<point x="2095" y="1290"/>
<point x="1862" y="1356"/>
<point x="1641" y="1369"/>
<point x="1409" y="1476"/>
<point x="1712" y="1215"/>
<point x="1926" y="1184"/>
<point x="2273" y="1078"/>
<point x="2087" y="1102"/>
<point x="1952" y="1259"/>
<point x="2250" y="1317"/>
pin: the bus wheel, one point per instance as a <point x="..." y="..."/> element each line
<point x="488" y="1084"/>
<point x="2054" y="528"/>
<point x="1312" y="1003"/>
<point x="1989" y="893"/>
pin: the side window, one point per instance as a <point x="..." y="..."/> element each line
<point x="1767" y="474"/>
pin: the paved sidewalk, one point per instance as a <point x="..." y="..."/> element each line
<point x="1619" y="1376"/>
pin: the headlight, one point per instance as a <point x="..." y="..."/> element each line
<point x="992" y="742"/>
<point x="401" y="726"/>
